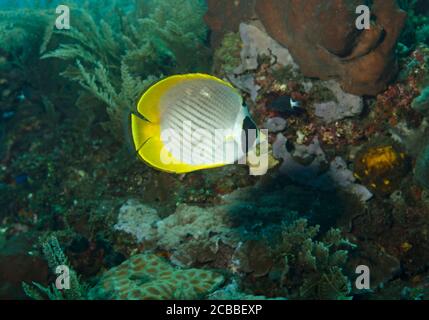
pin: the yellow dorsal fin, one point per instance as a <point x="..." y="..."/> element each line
<point x="149" y="103"/>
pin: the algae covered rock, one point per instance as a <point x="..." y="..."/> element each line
<point x="345" y="106"/>
<point x="149" y="277"/>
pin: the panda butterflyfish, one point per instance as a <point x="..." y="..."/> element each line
<point x="192" y="122"/>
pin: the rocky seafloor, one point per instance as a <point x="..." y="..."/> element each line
<point x="348" y="183"/>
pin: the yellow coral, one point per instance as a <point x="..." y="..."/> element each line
<point x="381" y="167"/>
<point x="381" y="158"/>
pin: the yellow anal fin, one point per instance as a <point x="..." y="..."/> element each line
<point x="150" y="148"/>
<point x="154" y="153"/>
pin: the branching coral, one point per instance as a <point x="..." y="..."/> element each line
<point x="55" y="257"/>
<point x="312" y="269"/>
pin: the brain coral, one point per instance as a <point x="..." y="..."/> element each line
<point x="149" y="277"/>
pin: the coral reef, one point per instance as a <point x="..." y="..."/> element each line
<point x="344" y="51"/>
<point x="232" y="292"/>
<point x="115" y="62"/>
<point x="276" y="124"/>
<point x="226" y="237"/>
<point x="253" y="44"/>
<point x="55" y="258"/>
<point x="227" y="56"/>
<point x="297" y="265"/>
<point x="149" y="277"/>
<point x="415" y="30"/>
<point x="188" y="227"/>
<point x="381" y="167"/>
<point x="345" y="105"/>
<point x="342" y="166"/>
<point x="309" y="166"/>
<point x="137" y="219"/>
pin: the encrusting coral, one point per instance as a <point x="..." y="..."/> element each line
<point x="188" y="227"/>
<point x="149" y="277"/>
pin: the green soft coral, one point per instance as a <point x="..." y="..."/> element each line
<point x="23" y="35"/>
<point x="55" y="257"/>
<point x="116" y="61"/>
